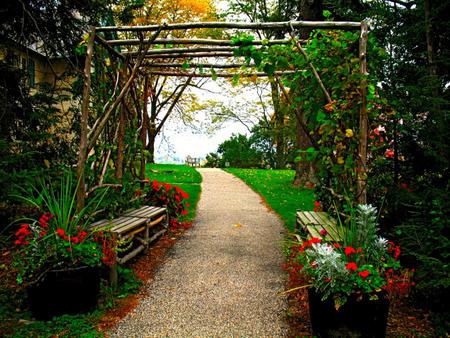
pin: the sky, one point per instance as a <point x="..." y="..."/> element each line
<point x="179" y="141"/>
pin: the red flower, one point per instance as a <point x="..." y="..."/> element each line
<point x="82" y="235"/>
<point x="317" y="204"/>
<point x="349" y="250"/>
<point x="188" y="204"/>
<point x="351" y="266"/>
<point x="61" y="233"/>
<point x="336" y="245"/>
<point x="323" y="232"/>
<point x="184" y="212"/>
<point x="316" y="240"/>
<point x="359" y="250"/>
<point x="364" y="273"/>
<point x="389" y="153"/>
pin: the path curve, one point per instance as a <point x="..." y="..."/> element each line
<point x="219" y="279"/>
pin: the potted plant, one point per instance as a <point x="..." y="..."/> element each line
<point x="351" y="279"/>
<point x="58" y="255"/>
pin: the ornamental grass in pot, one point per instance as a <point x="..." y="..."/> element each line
<point x="58" y="255"/>
<point x="351" y="278"/>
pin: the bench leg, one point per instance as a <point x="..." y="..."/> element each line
<point x="113" y="275"/>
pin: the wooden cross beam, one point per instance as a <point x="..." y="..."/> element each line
<point x="209" y="42"/>
<point x="239" y="25"/>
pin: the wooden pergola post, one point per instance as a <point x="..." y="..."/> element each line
<point x="82" y="154"/>
<point x="144" y="133"/>
<point x="363" y="119"/>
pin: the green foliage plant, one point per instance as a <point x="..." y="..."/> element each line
<point x="61" y="237"/>
<point x="362" y="264"/>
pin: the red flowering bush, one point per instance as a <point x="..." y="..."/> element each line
<point x="42" y="246"/>
<point x="171" y="197"/>
<point x="61" y="238"/>
<point x="362" y="263"/>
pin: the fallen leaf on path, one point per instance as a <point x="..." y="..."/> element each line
<point x="237" y="225"/>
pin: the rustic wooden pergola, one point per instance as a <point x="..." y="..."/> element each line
<point x="142" y="54"/>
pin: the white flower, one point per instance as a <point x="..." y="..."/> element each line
<point x="381" y="243"/>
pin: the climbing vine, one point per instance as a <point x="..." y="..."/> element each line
<point x="331" y="126"/>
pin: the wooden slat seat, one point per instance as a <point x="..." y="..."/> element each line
<point x="311" y="223"/>
<point x="134" y="225"/>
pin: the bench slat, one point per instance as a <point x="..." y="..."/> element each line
<point x="142" y="212"/>
<point x="314" y="222"/>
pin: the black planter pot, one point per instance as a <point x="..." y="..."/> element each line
<point x="68" y="291"/>
<point x="356" y="318"/>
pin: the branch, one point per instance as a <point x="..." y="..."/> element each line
<point x="324" y="90"/>
<point x="95" y="133"/>
<point x="297" y="110"/>
<point x="172" y="106"/>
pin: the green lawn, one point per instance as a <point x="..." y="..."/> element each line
<point x="276" y="188"/>
<point x="186" y="178"/>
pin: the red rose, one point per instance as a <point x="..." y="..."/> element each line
<point x="316" y="240"/>
<point x="336" y="245"/>
<point x="60" y="232"/>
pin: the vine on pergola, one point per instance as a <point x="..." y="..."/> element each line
<point x="124" y="68"/>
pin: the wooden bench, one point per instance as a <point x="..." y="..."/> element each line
<point x="136" y="227"/>
<point x="310" y="223"/>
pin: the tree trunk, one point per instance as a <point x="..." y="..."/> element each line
<point x="279" y="127"/>
<point x="151" y="143"/>
<point x="305" y="171"/>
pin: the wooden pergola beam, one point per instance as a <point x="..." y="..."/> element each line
<point x="190" y="55"/>
<point x="208" y="42"/>
<point x="108" y="47"/>
<point x="182" y="50"/>
<point x="238" y="25"/>
<point x="195" y="65"/>
<point x="258" y="74"/>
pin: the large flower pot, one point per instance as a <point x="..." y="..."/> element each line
<point x="68" y="291"/>
<point x="356" y="318"/>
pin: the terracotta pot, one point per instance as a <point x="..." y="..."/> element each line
<point x="356" y="318"/>
<point x="66" y="291"/>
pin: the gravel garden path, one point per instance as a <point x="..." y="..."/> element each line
<point x="223" y="277"/>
